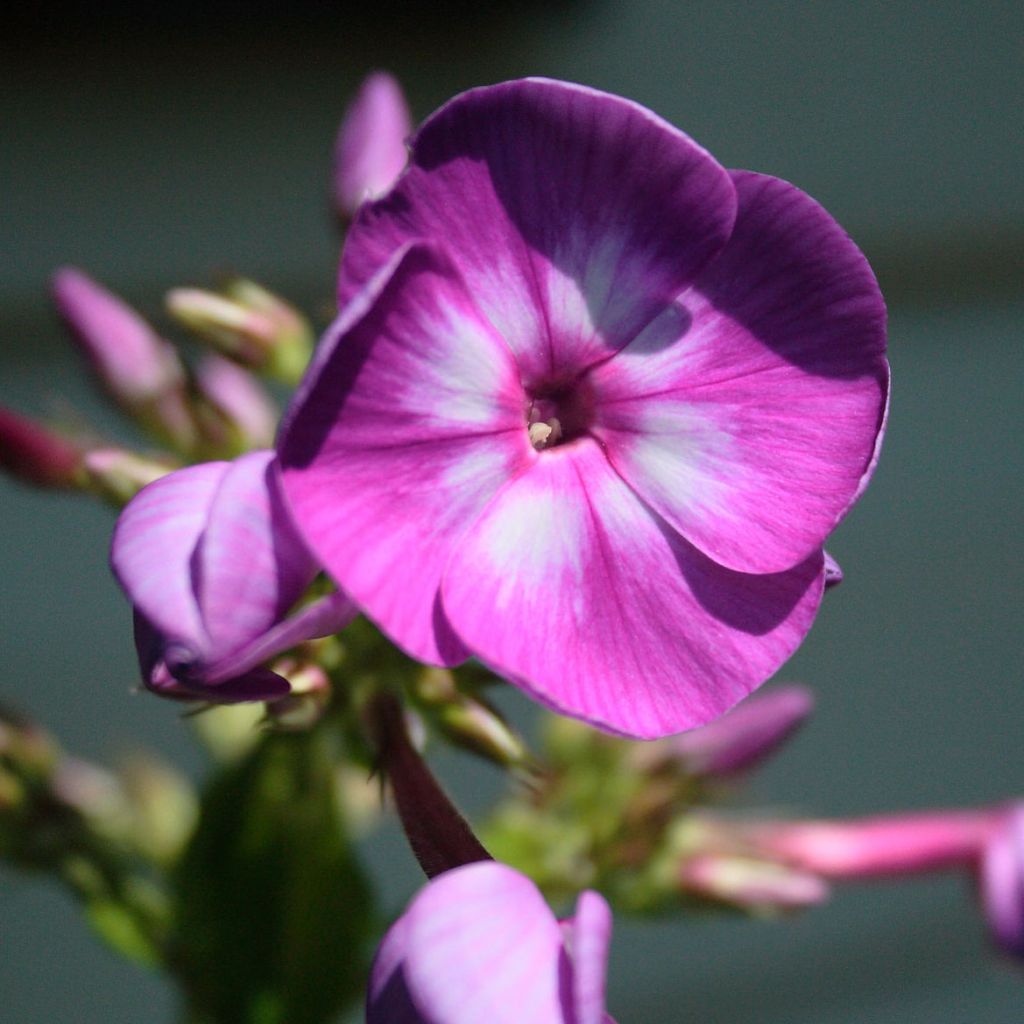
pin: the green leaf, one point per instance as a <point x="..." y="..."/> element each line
<point x="274" y="913"/>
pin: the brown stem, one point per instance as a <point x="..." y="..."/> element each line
<point x="439" y="836"/>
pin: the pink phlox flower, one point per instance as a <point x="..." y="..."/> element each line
<point x="590" y="409"/>
<point x="479" y="945"/>
<point x="370" y="151"/>
<point x="212" y="564"/>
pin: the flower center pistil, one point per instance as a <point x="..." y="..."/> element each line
<point x="557" y="414"/>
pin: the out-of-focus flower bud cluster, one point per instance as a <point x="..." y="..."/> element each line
<point x="54" y="806"/>
<point x="213" y="408"/>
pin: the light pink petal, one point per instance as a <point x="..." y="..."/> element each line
<point x="750" y="413"/>
<point x="409" y="421"/>
<point x="573" y="215"/>
<point x="252" y="565"/>
<point x="482" y="947"/>
<point x="370" y="152"/>
<point x="590" y="935"/>
<point x="1002" y="882"/>
<point x="569" y="585"/>
<point x="153" y="546"/>
<point x="387" y="995"/>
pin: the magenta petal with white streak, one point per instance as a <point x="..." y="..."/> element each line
<point x="748" y="413"/>
<point x="573" y="215"/>
<point x="479" y="945"/>
<point x="570" y="585"/>
<point x="411" y="419"/>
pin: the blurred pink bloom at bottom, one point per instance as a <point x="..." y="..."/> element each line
<point x="479" y="945"/>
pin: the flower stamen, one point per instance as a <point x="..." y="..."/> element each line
<point x="544" y="434"/>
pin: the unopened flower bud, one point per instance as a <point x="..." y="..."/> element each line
<point x="370" y="151"/>
<point x="750" y="883"/>
<point x="248" y="324"/>
<point x="138" y="368"/>
<point x="27" y="749"/>
<point x="243" y="416"/>
<point x="1002" y="882"/>
<point x="118" y="475"/>
<point x="746" y="735"/>
<point x="129" y="357"/>
<point x="466" y="720"/>
<point x="869" y="847"/>
<point x="37" y="455"/>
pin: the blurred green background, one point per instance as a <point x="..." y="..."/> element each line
<point x="158" y="149"/>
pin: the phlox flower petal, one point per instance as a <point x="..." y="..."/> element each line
<point x="370" y="150"/>
<point x="569" y="585"/>
<point x="1002" y="882"/>
<point x="747" y="413"/>
<point x="479" y="945"/>
<point x="574" y="216"/>
<point x="414" y="388"/>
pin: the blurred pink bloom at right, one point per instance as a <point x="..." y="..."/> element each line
<point x="1001" y="879"/>
<point x="370" y="152"/>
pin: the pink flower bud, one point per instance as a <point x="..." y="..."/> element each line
<point x="248" y="324"/>
<point x="370" y="151"/>
<point x="746" y="735"/>
<point x="751" y="883"/>
<point x="35" y="454"/>
<point x="1002" y="882"/>
<point x="868" y="847"/>
<point x="132" y="361"/>
<point x="240" y="401"/>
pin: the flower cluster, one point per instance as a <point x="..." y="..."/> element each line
<point x="589" y="411"/>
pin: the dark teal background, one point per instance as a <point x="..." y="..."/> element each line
<point x="158" y="151"/>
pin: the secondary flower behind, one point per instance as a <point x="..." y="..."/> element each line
<point x="479" y="945"/>
<point x="590" y="409"/>
<point x="212" y="564"/>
